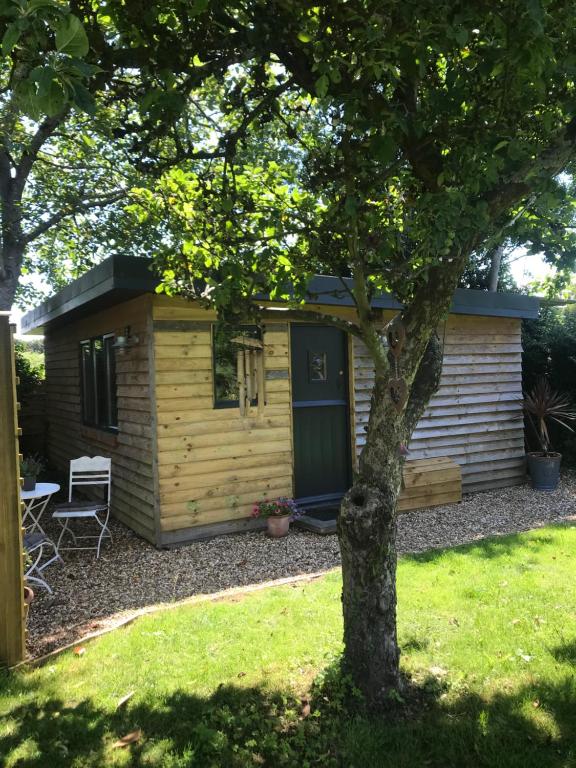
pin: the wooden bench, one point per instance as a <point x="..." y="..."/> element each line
<point x="430" y="482"/>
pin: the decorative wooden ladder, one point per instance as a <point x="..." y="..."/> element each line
<point x="12" y="618"/>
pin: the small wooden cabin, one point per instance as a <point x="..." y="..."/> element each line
<point x="151" y="381"/>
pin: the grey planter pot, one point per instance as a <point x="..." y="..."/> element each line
<point x="544" y="470"/>
<point x="29" y="483"/>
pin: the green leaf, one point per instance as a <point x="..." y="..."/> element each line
<point x="83" y="99"/>
<point x="304" y="37"/>
<point x="50" y="97"/>
<point x="500" y="145"/>
<point x="71" y="37"/>
<point x="322" y="85"/>
<point x="197" y="62"/>
<point x="25" y="94"/>
<point x="11" y="37"/>
<point x="384" y="148"/>
<point x="33" y="5"/>
<point x="461" y="36"/>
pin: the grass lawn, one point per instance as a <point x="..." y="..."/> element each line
<point x="488" y="631"/>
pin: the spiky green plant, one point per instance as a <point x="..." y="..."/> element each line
<point x="544" y="404"/>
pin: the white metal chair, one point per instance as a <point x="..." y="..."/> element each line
<point x="86" y="471"/>
<point x="35" y="545"/>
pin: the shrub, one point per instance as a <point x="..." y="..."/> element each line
<point x="550" y="350"/>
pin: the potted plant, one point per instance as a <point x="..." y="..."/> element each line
<point x="277" y="513"/>
<point x="30" y="469"/>
<point x="543" y="405"/>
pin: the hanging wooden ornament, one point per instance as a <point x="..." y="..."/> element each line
<point x="396" y="334"/>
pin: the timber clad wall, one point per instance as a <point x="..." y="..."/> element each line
<point x="183" y="469"/>
<point x="131" y="449"/>
<point x="476" y="416"/>
<point x="212" y="463"/>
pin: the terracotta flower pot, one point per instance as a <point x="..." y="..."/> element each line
<point x="28" y="598"/>
<point x="278" y="526"/>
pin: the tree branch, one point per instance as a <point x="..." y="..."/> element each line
<point x="426" y="383"/>
<point x="71" y="210"/>
<point x="29" y="155"/>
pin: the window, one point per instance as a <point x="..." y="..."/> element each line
<point x="225" y="360"/>
<point x="98" y="382"/>
<point x="317" y="366"/>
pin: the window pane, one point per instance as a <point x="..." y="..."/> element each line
<point x="100" y="381"/>
<point x="111" y="382"/>
<point x="87" y="383"/>
<point x="317" y="366"/>
<point x="225" y="361"/>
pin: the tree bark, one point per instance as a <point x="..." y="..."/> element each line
<point x="367" y="534"/>
<point x="10" y="265"/>
<point x="495" y="262"/>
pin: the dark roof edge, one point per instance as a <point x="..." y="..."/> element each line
<point x="122" y="277"/>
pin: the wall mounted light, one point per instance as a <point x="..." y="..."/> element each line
<point x="125" y="342"/>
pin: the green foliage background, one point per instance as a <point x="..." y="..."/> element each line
<point x="550" y="350"/>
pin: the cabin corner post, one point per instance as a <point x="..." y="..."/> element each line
<point x="12" y="621"/>
<point x="151" y="344"/>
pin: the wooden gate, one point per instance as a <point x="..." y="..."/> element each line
<point x="12" y="630"/>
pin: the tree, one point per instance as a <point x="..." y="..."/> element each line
<point x="75" y="77"/>
<point x="436" y="128"/>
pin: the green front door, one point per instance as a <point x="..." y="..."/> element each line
<point x="320" y="408"/>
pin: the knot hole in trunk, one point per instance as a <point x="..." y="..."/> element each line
<point x="364" y="509"/>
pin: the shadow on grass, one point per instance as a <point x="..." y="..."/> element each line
<point x="239" y="727"/>
<point x="493" y="547"/>
<point x="565" y="653"/>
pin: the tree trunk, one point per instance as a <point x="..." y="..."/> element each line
<point x="367" y="535"/>
<point x="367" y="532"/>
<point x="10" y="264"/>
<point x="495" y="262"/>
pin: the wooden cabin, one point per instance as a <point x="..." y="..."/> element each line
<point x="152" y="382"/>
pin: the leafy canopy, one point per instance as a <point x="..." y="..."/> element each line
<point x="412" y="135"/>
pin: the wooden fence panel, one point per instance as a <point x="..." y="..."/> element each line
<point x="12" y="631"/>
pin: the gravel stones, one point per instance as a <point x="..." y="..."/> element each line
<point x="92" y="594"/>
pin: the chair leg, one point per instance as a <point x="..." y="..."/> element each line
<point x="41" y="582"/>
<point x="105" y="531"/>
<point x="65" y="529"/>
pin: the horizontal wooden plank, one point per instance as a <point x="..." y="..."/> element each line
<point x="434" y="500"/>
<point x="481" y="348"/>
<point x="183" y="377"/>
<point x="417" y="484"/>
<point x="237" y="440"/>
<point x="193" y="391"/>
<point x="230" y="422"/>
<point x="224" y="491"/>
<point x="183" y="404"/>
<point x="209" y="479"/>
<point x="480" y="358"/>
<point x="183" y="364"/>
<point x="184" y="514"/>
<point x="179" y="471"/>
<point x="258" y="448"/>
<point x="194" y="416"/>
<point x="183" y="351"/>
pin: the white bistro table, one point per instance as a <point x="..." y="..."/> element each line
<point x="35" y="502"/>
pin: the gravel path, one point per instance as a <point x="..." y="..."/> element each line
<point x="93" y="594"/>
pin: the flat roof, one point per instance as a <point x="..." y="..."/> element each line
<point x="120" y="278"/>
